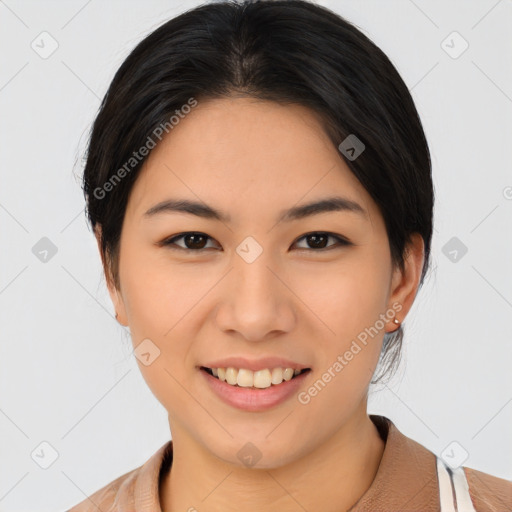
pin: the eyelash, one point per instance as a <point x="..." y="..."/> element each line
<point x="170" y="242"/>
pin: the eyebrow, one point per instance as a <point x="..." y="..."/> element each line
<point x="329" y="204"/>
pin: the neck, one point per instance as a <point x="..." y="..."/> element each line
<point x="332" y="477"/>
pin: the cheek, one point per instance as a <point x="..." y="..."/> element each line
<point x="349" y="302"/>
<point x="349" y="295"/>
<point x="158" y="295"/>
<point x="158" y="300"/>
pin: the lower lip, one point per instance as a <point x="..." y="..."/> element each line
<point x="254" y="400"/>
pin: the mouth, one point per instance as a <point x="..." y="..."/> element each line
<point x="261" y="379"/>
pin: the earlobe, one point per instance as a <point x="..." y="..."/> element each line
<point x="405" y="283"/>
<point x="117" y="301"/>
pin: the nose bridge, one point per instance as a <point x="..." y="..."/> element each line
<point x="258" y="302"/>
<point x="256" y="285"/>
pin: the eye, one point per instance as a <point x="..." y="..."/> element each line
<point x="318" y="240"/>
<point x="196" y="241"/>
<point x="193" y="241"/>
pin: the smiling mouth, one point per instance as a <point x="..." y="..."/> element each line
<point x="261" y="379"/>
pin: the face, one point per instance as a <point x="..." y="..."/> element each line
<point x="254" y="283"/>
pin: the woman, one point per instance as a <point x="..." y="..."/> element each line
<point x="259" y="184"/>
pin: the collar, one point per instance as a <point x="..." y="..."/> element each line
<point x="405" y="480"/>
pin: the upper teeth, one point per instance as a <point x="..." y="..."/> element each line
<point x="259" y="379"/>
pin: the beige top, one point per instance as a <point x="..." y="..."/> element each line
<point x="406" y="480"/>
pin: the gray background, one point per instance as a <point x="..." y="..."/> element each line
<point x="66" y="364"/>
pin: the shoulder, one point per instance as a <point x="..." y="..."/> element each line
<point x="105" y="499"/>
<point x="411" y="474"/>
<point x="489" y="493"/>
<point x="137" y="489"/>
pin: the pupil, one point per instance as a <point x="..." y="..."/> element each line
<point x="317" y="240"/>
<point x="192" y="241"/>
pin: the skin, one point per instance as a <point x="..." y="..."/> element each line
<point x="252" y="159"/>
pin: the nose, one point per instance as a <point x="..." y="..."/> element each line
<point x="256" y="302"/>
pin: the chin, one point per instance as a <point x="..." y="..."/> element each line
<point x="257" y="452"/>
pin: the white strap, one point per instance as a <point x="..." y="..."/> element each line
<point x="460" y="484"/>
<point x="445" y="488"/>
<point x="453" y="483"/>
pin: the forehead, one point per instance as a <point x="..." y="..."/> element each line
<point x="246" y="151"/>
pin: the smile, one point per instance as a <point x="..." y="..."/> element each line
<point x="260" y="379"/>
<point x="248" y="397"/>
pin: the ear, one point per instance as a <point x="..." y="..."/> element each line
<point x="115" y="294"/>
<point x="404" y="284"/>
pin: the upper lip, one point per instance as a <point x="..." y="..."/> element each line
<point x="255" y="364"/>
